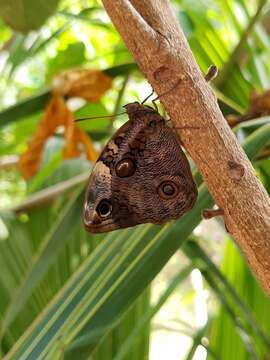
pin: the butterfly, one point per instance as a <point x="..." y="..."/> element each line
<point x="141" y="176"/>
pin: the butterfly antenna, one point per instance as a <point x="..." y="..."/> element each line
<point x="99" y="117"/>
<point x="167" y="91"/>
<point x="152" y="92"/>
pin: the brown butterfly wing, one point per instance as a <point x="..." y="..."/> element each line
<point x="142" y="176"/>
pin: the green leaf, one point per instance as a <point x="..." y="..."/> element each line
<point x="239" y="326"/>
<point x="25" y="107"/>
<point x="198" y="340"/>
<point x="19" y="52"/>
<point x="151" y="311"/>
<point x="201" y="260"/>
<point x="53" y="242"/>
<point x="256" y="141"/>
<point x="106" y="285"/>
<point x="108" y="348"/>
<point x="84" y="15"/>
<point x="26" y="15"/>
<point x="224" y="338"/>
<point x="72" y="56"/>
<point x="37" y="102"/>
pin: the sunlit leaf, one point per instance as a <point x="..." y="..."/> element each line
<point x="73" y="55"/>
<point x="26" y="15"/>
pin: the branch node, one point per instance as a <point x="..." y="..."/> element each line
<point x="211" y="73"/>
<point x="210" y="213"/>
<point x="236" y="170"/>
<point x="163" y="73"/>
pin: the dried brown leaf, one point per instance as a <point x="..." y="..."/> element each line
<point x="87" y="84"/>
<point x="56" y="114"/>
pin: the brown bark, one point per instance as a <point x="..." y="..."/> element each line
<point x="153" y="36"/>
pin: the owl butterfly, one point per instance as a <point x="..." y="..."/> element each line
<point x="141" y="176"/>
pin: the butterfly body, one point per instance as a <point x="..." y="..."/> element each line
<point x="141" y="176"/>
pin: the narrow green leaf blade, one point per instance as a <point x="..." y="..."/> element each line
<point x="53" y="243"/>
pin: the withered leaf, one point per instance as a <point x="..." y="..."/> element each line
<point x="56" y="114"/>
<point x="87" y="84"/>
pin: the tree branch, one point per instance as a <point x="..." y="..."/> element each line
<point x="153" y="36"/>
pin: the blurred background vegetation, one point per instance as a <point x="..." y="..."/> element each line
<point x="178" y="291"/>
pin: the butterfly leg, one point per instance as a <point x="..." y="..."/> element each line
<point x="148" y="96"/>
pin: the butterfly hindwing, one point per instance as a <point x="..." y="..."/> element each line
<point x="141" y="176"/>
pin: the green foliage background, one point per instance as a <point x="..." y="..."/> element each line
<point x="66" y="293"/>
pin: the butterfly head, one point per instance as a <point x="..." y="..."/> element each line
<point x="136" y="107"/>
